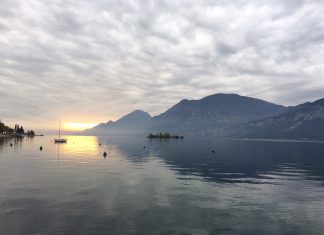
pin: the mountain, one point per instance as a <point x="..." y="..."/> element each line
<point x="212" y="115"/>
<point x="134" y="122"/>
<point x="305" y="121"/>
<point x="225" y="115"/>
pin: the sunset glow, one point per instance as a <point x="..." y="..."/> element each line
<point x="77" y="126"/>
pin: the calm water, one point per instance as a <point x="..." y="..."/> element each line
<point x="170" y="187"/>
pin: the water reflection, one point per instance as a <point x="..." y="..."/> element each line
<point x="80" y="145"/>
<point x="168" y="187"/>
<point x="232" y="161"/>
<point x="14" y="142"/>
<point x="58" y="150"/>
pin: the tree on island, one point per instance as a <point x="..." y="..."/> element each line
<point x="165" y="135"/>
<point x="31" y="133"/>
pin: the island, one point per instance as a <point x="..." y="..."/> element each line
<point x="164" y="136"/>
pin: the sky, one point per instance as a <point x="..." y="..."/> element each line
<point x="91" y="61"/>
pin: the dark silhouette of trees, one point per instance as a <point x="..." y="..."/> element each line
<point x="5" y="129"/>
<point x="20" y="130"/>
<point x="31" y="133"/>
<point x="165" y="135"/>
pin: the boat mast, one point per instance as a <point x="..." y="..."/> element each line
<point x="60" y="129"/>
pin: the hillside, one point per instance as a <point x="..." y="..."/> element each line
<point x="212" y="115"/>
<point x="305" y="121"/>
<point x="134" y="122"/>
<point x="225" y="115"/>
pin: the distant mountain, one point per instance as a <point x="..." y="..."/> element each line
<point x="212" y="115"/>
<point x="134" y="122"/>
<point x="299" y="122"/>
<point x="225" y="115"/>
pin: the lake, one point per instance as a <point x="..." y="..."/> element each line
<point x="176" y="186"/>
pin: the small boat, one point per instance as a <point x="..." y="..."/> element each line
<point x="60" y="140"/>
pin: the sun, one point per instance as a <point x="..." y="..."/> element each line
<point x="77" y="126"/>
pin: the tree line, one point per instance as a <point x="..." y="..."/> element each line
<point x="4" y="129"/>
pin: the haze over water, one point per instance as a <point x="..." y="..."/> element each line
<point x="168" y="187"/>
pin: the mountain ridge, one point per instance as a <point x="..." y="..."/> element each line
<point x="130" y="123"/>
<point x="304" y="121"/>
<point x="226" y="116"/>
<point x="218" y="110"/>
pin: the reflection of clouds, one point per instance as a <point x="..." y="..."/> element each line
<point x="252" y="180"/>
<point x="234" y="205"/>
<point x="169" y="186"/>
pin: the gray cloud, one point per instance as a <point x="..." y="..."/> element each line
<point x="96" y="60"/>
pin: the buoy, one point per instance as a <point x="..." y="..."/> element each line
<point x="104" y="154"/>
<point x="213" y="151"/>
<point x="144" y="147"/>
<point x="41" y="148"/>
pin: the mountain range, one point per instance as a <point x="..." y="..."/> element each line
<point x="226" y="116"/>
<point x="305" y="121"/>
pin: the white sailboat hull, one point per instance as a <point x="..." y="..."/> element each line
<point x="60" y="140"/>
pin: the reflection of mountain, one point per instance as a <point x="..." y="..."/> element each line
<point x="242" y="161"/>
<point x="233" y="161"/>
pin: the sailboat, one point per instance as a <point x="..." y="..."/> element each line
<point x="60" y="140"/>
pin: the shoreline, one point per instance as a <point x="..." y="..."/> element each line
<point x="209" y="138"/>
<point x="201" y="138"/>
<point x="13" y="135"/>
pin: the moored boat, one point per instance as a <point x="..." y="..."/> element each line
<point x="60" y="140"/>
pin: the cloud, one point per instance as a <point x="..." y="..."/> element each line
<point x="97" y="60"/>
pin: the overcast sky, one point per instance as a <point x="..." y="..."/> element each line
<point x="91" y="61"/>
